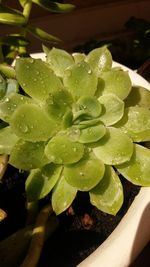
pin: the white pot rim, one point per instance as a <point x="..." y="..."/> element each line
<point x="133" y="232"/>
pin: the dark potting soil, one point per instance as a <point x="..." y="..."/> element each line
<point x="82" y="228"/>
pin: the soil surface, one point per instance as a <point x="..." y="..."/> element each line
<point x="82" y="229"/>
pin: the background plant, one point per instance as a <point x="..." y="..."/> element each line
<point x="130" y="47"/>
<point x="73" y="126"/>
<point x="15" y="44"/>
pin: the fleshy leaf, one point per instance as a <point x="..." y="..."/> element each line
<point x="42" y="35"/>
<point x="92" y="134"/>
<point x="90" y="105"/>
<point x="8" y="70"/>
<point x="107" y="196"/>
<point x="12" y="86"/>
<point x="31" y="123"/>
<point x="10" y="103"/>
<point x="27" y="155"/>
<point x="36" y="78"/>
<point x="61" y="149"/>
<point x="54" y="7"/>
<point x="85" y="174"/>
<point x="2" y="86"/>
<point x="78" y="57"/>
<point x="138" y="96"/>
<point x="58" y="103"/>
<point x="136" y="123"/>
<point x="115" y="82"/>
<point x="114" y="148"/>
<point x="87" y="123"/>
<point x="80" y="80"/>
<point x="67" y="119"/>
<point x="40" y="182"/>
<point x="137" y="170"/>
<point x="113" y="109"/>
<point x="11" y="16"/>
<point x="7" y="140"/>
<point x="100" y="59"/>
<point x="62" y="196"/>
<point x="59" y="60"/>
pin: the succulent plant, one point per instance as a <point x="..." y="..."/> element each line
<point x="71" y="124"/>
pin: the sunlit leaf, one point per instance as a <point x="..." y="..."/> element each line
<point x="40" y="182"/>
<point x="59" y="60"/>
<point x="90" y="105"/>
<point x="137" y="170"/>
<point x="78" y="57"/>
<point x="112" y="109"/>
<point x="31" y="123"/>
<point x="115" y="82"/>
<point x="7" y="140"/>
<point x="27" y="155"/>
<point x="138" y="96"/>
<point x="9" y="104"/>
<point x="36" y="78"/>
<point x="80" y="80"/>
<point x="108" y="194"/>
<point x="92" y="134"/>
<point x="85" y="174"/>
<point x="100" y="59"/>
<point x="58" y="103"/>
<point x="114" y="148"/>
<point x="62" y="196"/>
<point x="136" y="123"/>
<point x="62" y="150"/>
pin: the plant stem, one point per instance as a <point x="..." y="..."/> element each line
<point x="36" y="245"/>
<point x="27" y="9"/>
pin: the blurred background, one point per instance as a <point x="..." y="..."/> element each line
<point x="124" y="25"/>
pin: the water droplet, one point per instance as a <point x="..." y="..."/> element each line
<point x="74" y="149"/>
<point x="7" y="99"/>
<point x="35" y="80"/>
<point x="24" y="84"/>
<point x="89" y="71"/>
<point x="81" y="174"/>
<point x="24" y="128"/>
<point x="37" y="72"/>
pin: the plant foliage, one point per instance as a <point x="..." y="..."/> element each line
<point x="16" y="44"/>
<point x="72" y="126"/>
